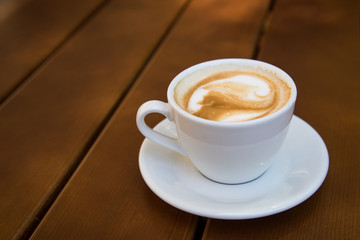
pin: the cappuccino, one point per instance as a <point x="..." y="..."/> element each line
<point x="235" y="91"/>
<point x="232" y="93"/>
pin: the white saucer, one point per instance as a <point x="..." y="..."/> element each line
<point x="301" y="168"/>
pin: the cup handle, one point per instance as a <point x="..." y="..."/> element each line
<point x="155" y="106"/>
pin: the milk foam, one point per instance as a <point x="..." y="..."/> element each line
<point x="231" y="94"/>
<point x="258" y="89"/>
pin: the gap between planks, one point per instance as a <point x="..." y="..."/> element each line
<point x="263" y="29"/>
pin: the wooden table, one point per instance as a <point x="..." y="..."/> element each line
<point x="73" y="74"/>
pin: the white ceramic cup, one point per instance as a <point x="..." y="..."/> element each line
<point x="225" y="152"/>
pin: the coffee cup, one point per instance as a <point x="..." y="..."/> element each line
<point x="231" y="117"/>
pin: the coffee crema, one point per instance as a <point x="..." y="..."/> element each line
<point x="231" y="94"/>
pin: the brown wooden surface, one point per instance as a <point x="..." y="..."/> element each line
<point x="80" y="69"/>
<point x="49" y="122"/>
<point x="30" y="30"/>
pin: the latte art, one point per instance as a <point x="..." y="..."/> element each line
<point x="233" y="96"/>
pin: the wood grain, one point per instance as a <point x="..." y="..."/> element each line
<point x="106" y="197"/>
<point x="30" y="30"/>
<point x="317" y="43"/>
<point x="49" y="122"/>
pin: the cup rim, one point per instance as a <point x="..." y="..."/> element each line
<point x="234" y="61"/>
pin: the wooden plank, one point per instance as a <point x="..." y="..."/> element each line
<point x="30" y="30"/>
<point x="316" y="42"/>
<point x="106" y="197"/>
<point x="47" y="125"/>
